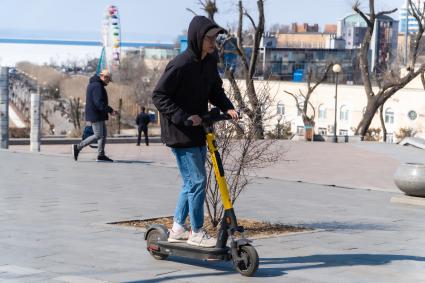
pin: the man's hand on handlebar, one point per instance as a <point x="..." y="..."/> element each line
<point x="196" y="120"/>
<point x="234" y="114"/>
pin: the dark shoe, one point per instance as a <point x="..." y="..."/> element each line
<point x="138" y="144"/>
<point x="104" y="158"/>
<point x="75" y="151"/>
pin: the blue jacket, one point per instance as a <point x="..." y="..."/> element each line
<point x="97" y="108"/>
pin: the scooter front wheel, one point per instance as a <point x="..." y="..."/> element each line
<point x="247" y="261"/>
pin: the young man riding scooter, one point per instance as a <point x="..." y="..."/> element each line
<point x="189" y="82"/>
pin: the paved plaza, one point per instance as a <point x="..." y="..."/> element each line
<point x="54" y="214"/>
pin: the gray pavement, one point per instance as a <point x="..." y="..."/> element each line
<point x="54" y="214"/>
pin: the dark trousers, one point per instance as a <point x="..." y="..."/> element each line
<point x="139" y="135"/>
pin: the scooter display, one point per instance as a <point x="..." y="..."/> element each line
<point x="228" y="248"/>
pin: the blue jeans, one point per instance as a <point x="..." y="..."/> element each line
<point x="191" y="162"/>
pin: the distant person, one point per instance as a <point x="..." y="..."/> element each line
<point x="97" y="112"/>
<point x="142" y="122"/>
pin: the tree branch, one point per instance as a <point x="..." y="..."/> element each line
<point x="386" y="12"/>
<point x="250" y="19"/>
<point x="193" y="12"/>
<point x="356" y="8"/>
<point x="296" y="100"/>
<point x="240" y="48"/>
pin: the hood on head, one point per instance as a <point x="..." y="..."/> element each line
<point x="95" y="78"/>
<point x="198" y="27"/>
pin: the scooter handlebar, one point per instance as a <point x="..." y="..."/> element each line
<point x="212" y="116"/>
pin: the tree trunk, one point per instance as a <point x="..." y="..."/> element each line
<point x="372" y="107"/>
<point x="257" y="116"/>
<point x="384" y="129"/>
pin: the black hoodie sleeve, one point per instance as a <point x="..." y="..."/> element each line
<point x="163" y="92"/>
<point x="218" y="97"/>
<point x="99" y="100"/>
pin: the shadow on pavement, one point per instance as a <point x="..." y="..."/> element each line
<point x="132" y="161"/>
<point x="346" y="226"/>
<point x="335" y="260"/>
<point x="294" y="263"/>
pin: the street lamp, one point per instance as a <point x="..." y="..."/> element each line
<point x="336" y="69"/>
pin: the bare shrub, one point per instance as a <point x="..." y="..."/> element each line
<point x="241" y="153"/>
<point x="405" y="133"/>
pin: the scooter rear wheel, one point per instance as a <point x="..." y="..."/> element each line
<point x="247" y="261"/>
<point x="152" y="242"/>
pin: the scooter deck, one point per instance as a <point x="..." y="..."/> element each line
<point x="186" y="250"/>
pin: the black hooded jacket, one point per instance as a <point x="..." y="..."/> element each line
<point x="186" y="87"/>
<point x="97" y="108"/>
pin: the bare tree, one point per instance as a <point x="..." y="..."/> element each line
<point x="388" y="80"/>
<point x="72" y="109"/>
<point x="242" y="154"/>
<point x="249" y="105"/>
<point x="141" y="79"/>
<point x="210" y="7"/>
<point x="303" y="100"/>
<point x="241" y="146"/>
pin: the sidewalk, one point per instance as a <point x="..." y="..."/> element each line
<point x="351" y="165"/>
<point x="53" y="214"/>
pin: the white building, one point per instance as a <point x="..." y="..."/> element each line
<point x="406" y="109"/>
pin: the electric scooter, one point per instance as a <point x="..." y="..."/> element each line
<point x="240" y="251"/>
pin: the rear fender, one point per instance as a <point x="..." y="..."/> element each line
<point x="161" y="228"/>
<point x="243" y="242"/>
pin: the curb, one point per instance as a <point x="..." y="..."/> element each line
<point x="420" y="201"/>
<point x="53" y="141"/>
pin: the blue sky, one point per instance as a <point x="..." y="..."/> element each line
<point x="152" y="20"/>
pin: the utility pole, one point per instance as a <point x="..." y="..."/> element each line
<point x="406" y="34"/>
<point x="119" y="115"/>
<point x="4" y="107"/>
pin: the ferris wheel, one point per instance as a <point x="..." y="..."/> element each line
<point x="111" y="40"/>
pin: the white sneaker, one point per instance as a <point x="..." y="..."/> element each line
<point x="201" y="239"/>
<point x="175" y="237"/>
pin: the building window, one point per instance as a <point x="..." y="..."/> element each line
<point x="322" y="112"/>
<point x="280" y="109"/>
<point x="343" y="113"/>
<point x="412" y="115"/>
<point x="389" y="116"/>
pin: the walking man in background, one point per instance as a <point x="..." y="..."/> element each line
<point x="142" y="122"/>
<point x="97" y="112"/>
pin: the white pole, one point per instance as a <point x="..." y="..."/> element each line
<point x="406" y="34"/>
<point x="4" y="107"/>
<point x="35" y="134"/>
<point x="264" y="60"/>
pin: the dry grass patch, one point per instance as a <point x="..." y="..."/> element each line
<point x="253" y="228"/>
